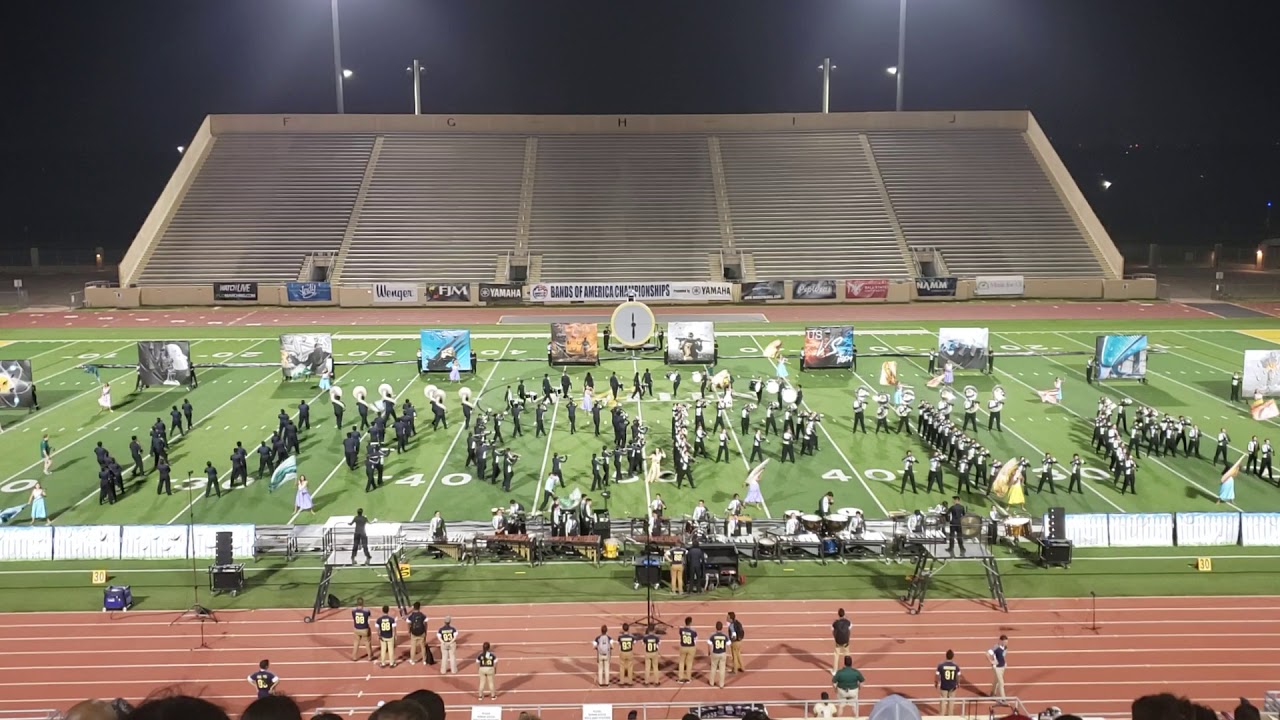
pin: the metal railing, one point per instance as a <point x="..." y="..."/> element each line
<point x="970" y="708"/>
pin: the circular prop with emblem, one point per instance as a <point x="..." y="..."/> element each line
<point x="632" y="324"/>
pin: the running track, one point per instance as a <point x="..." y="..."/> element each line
<point x="1214" y="650"/>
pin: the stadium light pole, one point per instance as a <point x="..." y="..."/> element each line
<point x="902" y="51"/>
<point x="337" y="55"/>
<point x="416" y="72"/>
<point x="826" y="67"/>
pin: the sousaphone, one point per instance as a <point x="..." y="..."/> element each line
<point x="947" y="395"/>
<point x="863" y="394"/>
<point x="970" y="392"/>
<point x="789" y="395"/>
<point x="464" y="395"/>
<point x="772" y="387"/>
<point x="882" y="398"/>
<point x="335" y="394"/>
<point x="696" y="376"/>
<point x="430" y="392"/>
<point x="387" y="395"/>
<point x="908" y="395"/>
<point x="360" y="393"/>
<point x="997" y="393"/>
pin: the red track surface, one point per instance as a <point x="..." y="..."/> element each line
<point x="1212" y="649"/>
<point x="441" y="315"/>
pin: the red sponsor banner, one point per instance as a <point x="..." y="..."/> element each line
<point x="866" y="289"/>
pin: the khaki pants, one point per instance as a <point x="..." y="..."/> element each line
<point x="487" y="675"/>
<point x="417" y="648"/>
<point x="387" y="654"/>
<point x="362" y="638"/>
<point x="997" y="687"/>
<point x="602" y="669"/>
<point x="842" y="651"/>
<point x="735" y="657"/>
<point x="626" y="668"/>
<point x="717" y="670"/>
<point x="944" y="707"/>
<point x="449" y="657"/>
<point x="848" y="698"/>
<point x="651" y="668"/>
<point x="684" y="670"/>
<point x="677" y="577"/>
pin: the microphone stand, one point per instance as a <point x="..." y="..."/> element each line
<point x="197" y="611"/>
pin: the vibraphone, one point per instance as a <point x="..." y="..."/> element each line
<point x="807" y="544"/>
<point x="868" y="542"/>
<point x="911" y="543"/>
<point x="747" y="546"/>
<point x="454" y="545"/>
<point x="500" y="547"/>
<point x="638" y="544"/>
<point x="590" y="546"/>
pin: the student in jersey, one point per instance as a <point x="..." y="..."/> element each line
<point x="264" y="681"/>
<point x="719" y="647"/>
<point x="360" y="618"/>
<point x="651" y="657"/>
<point x="947" y="679"/>
<point x="626" y="648"/>
<point x="448" y="635"/>
<point x="487" y="668"/>
<point x="386" y="625"/>
<point x="688" y="649"/>
<point x="604" y="651"/>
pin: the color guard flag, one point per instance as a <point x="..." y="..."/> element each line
<point x="935" y="381"/>
<point x="1233" y="471"/>
<point x="889" y="372"/>
<point x="1263" y="411"/>
<point x="1003" y="478"/>
<point x="93" y="370"/>
<point x="286" y="472"/>
<point x="10" y="513"/>
<point x="1049" y="396"/>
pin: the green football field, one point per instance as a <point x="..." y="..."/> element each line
<point x="1189" y="376"/>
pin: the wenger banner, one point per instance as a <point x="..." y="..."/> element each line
<point x="998" y="285"/>
<point x="866" y="289"/>
<point x="497" y="294"/>
<point x="459" y="292"/>
<point x="813" y="290"/>
<point x="586" y="292"/>
<point x="395" y="294"/>
<point x="936" y="287"/>
<point x="235" y="291"/>
<point x="762" y="290"/>
<point x="309" y="292"/>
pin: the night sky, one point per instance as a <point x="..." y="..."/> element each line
<point x="1173" y="102"/>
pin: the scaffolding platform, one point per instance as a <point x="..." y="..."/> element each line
<point x="933" y="559"/>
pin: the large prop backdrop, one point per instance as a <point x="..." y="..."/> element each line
<point x="575" y="344"/>
<point x="1261" y="372"/>
<point x="828" y="346"/>
<point x="15" y="384"/>
<point x="165" y="362"/>
<point x="441" y="347"/>
<point x="965" y="347"/>
<point x="305" y="353"/>
<point x="691" y="342"/>
<point x="1121" y="357"/>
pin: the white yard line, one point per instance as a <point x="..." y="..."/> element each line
<point x="1117" y="391"/>
<point x="461" y="432"/>
<point x="644" y="459"/>
<point x="546" y="454"/>
<point x="884" y="511"/>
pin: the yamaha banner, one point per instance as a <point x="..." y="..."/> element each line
<point x="235" y="291"/>
<point x="497" y="294"/>
<point x="460" y="292"/>
<point x="309" y="292"/>
<point x="936" y="287"/>
<point x="762" y="290"/>
<point x="813" y="290"/>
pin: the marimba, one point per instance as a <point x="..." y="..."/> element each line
<point x="453" y="545"/>
<point x="590" y="546"/>
<point x="521" y="545"/>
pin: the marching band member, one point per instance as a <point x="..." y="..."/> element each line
<point x="756" y="452"/>
<point x="825" y="503"/>
<point x="734" y="507"/>
<point x="793" y="523"/>
<point x="657" y="506"/>
<point x="700" y="512"/>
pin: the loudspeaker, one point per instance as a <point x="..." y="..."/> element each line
<point x="226" y="578"/>
<point x="1057" y="529"/>
<point x="222" y="549"/>
<point x="1055" y="553"/>
<point x="518" y="273"/>
<point x="333" y="602"/>
<point x="602" y="529"/>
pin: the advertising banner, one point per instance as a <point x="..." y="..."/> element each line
<point x="395" y="294"/>
<point x="440" y="348"/>
<point x="16" y="384"/>
<point x="459" y="292"/>
<point x="936" y="287"/>
<point x="166" y="362"/>
<point x="247" y="291"/>
<point x="497" y="294"/>
<point x="691" y="342"/>
<point x="877" y="289"/>
<point x="588" y="292"/>
<point x="309" y="292"/>
<point x="1261" y="372"/>
<point x="762" y="290"/>
<point x="813" y="290"/>
<point x="828" y="347"/>
<point x="1120" y="357"/>
<point x="575" y="344"/>
<point x="963" y="347"/>
<point x="995" y="285"/>
<point x="303" y="354"/>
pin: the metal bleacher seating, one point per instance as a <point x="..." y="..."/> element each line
<point x="624" y="208"/>
<point x="807" y="205"/>
<point x="258" y="204"/>
<point x="983" y="200"/>
<point x="438" y="208"/>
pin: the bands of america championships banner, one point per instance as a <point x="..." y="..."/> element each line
<point x="570" y="292"/>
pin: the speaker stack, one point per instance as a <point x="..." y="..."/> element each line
<point x="225" y="575"/>
<point x="222" y="549"/>
<point x="1055" y="548"/>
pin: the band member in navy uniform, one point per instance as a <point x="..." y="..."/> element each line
<point x="487" y="668"/>
<point x="264" y="681"/>
<point x="947" y="680"/>
<point x="239" y="466"/>
<point x="386" y="625"/>
<point x="135" y="451"/>
<point x="955" y="514"/>
<point x="688" y="648"/>
<point x="573" y="418"/>
<point x="909" y="473"/>
<point x="211" y="473"/>
<point x="360" y="618"/>
<point x="163" y="482"/>
<point x="1076" y="464"/>
<point x="718" y="643"/>
<point x="175" y="418"/>
<point x="651" y="658"/>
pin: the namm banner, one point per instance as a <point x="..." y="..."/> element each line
<point x="936" y="287"/>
